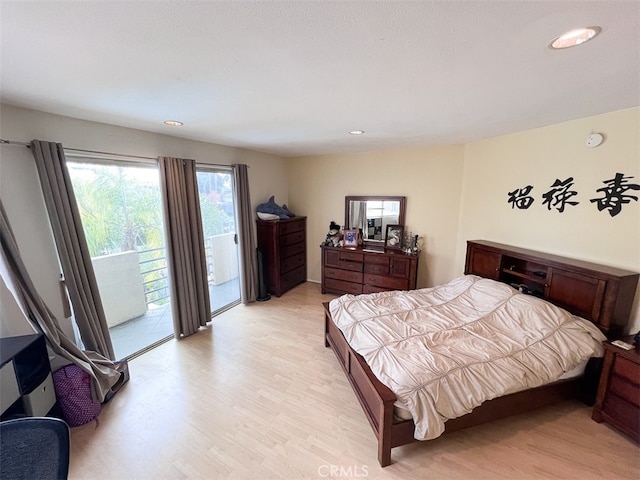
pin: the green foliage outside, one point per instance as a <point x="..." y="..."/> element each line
<point x="121" y="210"/>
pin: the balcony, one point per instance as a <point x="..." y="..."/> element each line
<point x="156" y="324"/>
<point x="135" y="292"/>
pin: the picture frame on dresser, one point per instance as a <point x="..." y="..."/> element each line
<point x="350" y="239"/>
<point x="393" y="237"/>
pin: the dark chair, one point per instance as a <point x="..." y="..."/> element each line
<point x="34" y="448"/>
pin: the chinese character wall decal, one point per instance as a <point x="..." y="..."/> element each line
<point x="520" y="198"/>
<point x="613" y="195"/>
<point x="559" y="194"/>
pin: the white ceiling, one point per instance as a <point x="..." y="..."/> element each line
<point x="293" y="77"/>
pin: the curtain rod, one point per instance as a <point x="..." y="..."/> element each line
<point x="28" y="145"/>
<point x="12" y="142"/>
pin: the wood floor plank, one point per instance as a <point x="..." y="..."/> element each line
<point x="257" y="396"/>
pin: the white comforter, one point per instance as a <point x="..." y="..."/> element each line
<point x="445" y="350"/>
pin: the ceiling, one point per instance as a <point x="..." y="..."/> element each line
<point x="292" y="78"/>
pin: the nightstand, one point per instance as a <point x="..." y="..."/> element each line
<point x="618" y="400"/>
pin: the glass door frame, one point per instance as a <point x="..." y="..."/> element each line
<point x="104" y="159"/>
<point x="211" y="168"/>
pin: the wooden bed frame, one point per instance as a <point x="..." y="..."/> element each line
<point x="599" y="293"/>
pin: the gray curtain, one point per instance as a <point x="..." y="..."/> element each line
<point x="190" y="303"/>
<point x="72" y="247"/>
<point x="358" y="216"/>
<point x="101" y="369"/>
<point x="247" y="243"/>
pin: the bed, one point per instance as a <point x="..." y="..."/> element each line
<point x="600" y="294"/>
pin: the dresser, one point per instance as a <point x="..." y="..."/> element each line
<point x="367" y="271"/>
<point x="618" y="400"/>
<point x="283" y="247"/>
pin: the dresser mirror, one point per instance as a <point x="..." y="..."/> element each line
<point x="372" y="214"/>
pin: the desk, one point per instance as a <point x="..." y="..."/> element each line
<point x="26" y="384"/>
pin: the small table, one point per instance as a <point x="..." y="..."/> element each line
<point x="618" y="400"/>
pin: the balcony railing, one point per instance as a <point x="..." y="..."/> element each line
<point x="155" y="275"/>
<point x="134" y="282"/>
<point x="220" y="252"/>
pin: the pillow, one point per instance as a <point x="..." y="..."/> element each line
<point x="267" y="216"/>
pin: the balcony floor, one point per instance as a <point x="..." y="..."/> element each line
<point x="140" y="332"/>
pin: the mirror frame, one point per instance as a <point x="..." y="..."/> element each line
<point x="376" y="244"/>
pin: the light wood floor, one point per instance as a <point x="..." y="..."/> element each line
<point x="257" y="396"/>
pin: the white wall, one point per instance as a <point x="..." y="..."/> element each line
<point x="10" y="307"/>
<point x="22" y="197"/>
<point x="120" y="285"/>
<point x="538" y="157"/>
<point x="430" y="178"/>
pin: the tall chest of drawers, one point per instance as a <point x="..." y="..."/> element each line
<point x="618" y="400"/>
<point x="365" y="271"/>
<point x="283" y="247"/>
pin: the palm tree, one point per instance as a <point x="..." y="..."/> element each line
<point x="119" y="212"/>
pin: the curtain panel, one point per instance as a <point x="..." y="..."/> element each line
<point x="102" y="370"/>
<point x="72" y="248"/>
<point x="247" y="242"/>
<point x="190" y="304"/>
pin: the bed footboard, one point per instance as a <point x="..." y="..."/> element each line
<point x="376" y="399"/>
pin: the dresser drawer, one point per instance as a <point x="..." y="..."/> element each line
<point x="618" y="399"/>
<point x="293" y="278"/>
<point x="624" y="389"/>
<point x="390" y="283"/>
<point x="376" y="269"/>
<point x="346" y="275"/>
<point x="622" y="411"/>
<point x="626" y="369"/>
<point x="290" y="250"/>
<point x="373" y="289"/>
<point x="343" y="259"/>
<point x="342" y="286"/>
<point x="348" y="265"/>
<point x="401" y="267"/>
<point x="331" y="258"/>
<point x="289" y="263"/>
<point x="291" y="238"/>
<point x="41" y="400"/>
<point x="376" y="260"/>
<point x="346" y="255"/>
<point x="290" y="227"/>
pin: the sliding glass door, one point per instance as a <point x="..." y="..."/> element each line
<point x="121" y="210"/>
<point x="122" y="216"/>
<point x="217" y="206"/>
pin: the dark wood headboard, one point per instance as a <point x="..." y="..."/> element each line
<point x="598" y="293"/>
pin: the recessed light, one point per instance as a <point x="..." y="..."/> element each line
<point x="356" y="132"/>
<point x="575" y="37"/>
<point x="173" y="123"/>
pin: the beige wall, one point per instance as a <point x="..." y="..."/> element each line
<point x="538" y="157"/>
<point x="459" y="193"/>
<point x="430" y="178"/>
<point x="22" y="197"/>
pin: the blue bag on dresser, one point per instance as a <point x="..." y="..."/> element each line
<point x="73" y="389"/>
